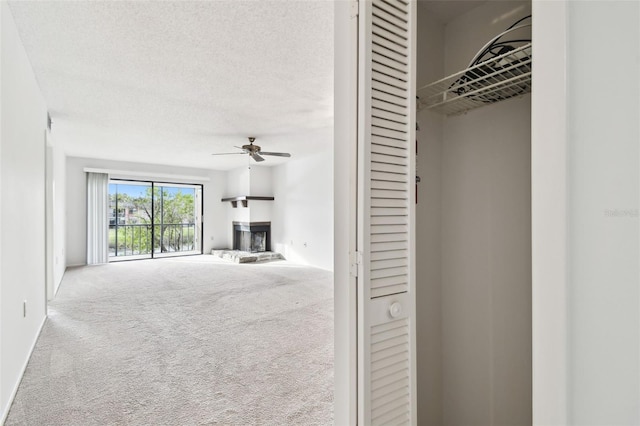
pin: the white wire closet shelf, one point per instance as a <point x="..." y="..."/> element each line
<point x="503" y="77"/>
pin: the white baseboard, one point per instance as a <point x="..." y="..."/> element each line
<point x="5" y="411"/>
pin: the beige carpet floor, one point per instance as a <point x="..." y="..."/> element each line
<point x="184" y="341"/>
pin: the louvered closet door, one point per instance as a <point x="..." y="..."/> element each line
<point x="386" y="206"/>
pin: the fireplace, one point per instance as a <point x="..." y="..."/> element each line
<point x="252" y="237"/>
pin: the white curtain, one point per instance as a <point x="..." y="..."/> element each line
<point x="97" y="218"/>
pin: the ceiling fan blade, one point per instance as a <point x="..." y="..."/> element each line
<point x="276" y="154"/>
<point x="229" y="153"/>
<point x="256" y="157"/>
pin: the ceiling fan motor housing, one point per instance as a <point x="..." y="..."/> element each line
<point x="251" y="148"/>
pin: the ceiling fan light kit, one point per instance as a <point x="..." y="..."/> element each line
<point x="255" y="151"/>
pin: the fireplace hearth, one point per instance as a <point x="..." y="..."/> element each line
<point x="253" y="237"/>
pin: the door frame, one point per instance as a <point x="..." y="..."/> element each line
<point x="549" y="208"/>
<point x="347" y="328"/>
<point x="345" y="212"/>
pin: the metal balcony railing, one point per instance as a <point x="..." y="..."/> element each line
<point x="141" y="239"/>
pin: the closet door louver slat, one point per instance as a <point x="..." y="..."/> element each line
<point x="383" y="68"/>
<point x="388" y="98"/>
<point x="381" y="184"/>
<point x="391" y="177"/>
<point x="386" y="108"/>
<point x="389" y="246"/>
<point x="386" y="212"/>
<point x="379" y="28"/>
<point x="389" y="48"/>
<point x="392" y="10"/>
<point x="392" y="23"/>
<point x="388" y="124"/>
<point x="389" y="254"/>
<point x="390" y="116"/>
<point x="389" y="53"/>
<point x="391" y="381"/>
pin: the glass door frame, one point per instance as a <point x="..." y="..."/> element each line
<point x="198" y="221"/>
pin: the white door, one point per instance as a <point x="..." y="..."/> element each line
<point x="386" y="208"/>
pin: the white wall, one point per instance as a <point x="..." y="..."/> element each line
<point x="603" y="137"/>
<point x="22" y="177"/>
<point x="486" y="267"/>
<point x="55" y="212"/>
<point x="2" y="25"/>
<point x="430" y="67"/>
<point x="261" y="184"/>
<point x="585" y="186"/>
<point x="59" y="213"/>
<point x="215" y="232"/>
<point x="466" y="34"/>
<point x="302" y="212"/>
<point x="49" y="217"/>
<point x="238" y="183"/>
<point x="260" y="180"/>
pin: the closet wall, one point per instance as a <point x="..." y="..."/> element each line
<point x="429" y="67"/>
<point x="474" y="237"/>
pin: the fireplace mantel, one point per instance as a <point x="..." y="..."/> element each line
<point x="245" y="199"/>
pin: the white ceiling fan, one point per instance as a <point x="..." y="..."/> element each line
<point x="255" y="151"/>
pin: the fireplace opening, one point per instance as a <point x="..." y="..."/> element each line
<point x="253" y="237"/>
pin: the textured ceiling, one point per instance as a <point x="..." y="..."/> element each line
<point x="172" y="82"/>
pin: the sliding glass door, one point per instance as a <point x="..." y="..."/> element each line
<point x="175" y="219"/>
<point x="151" y="219"/>
<point x="130" y="219"/>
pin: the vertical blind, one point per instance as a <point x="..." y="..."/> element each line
<point x="97" y="218"/>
